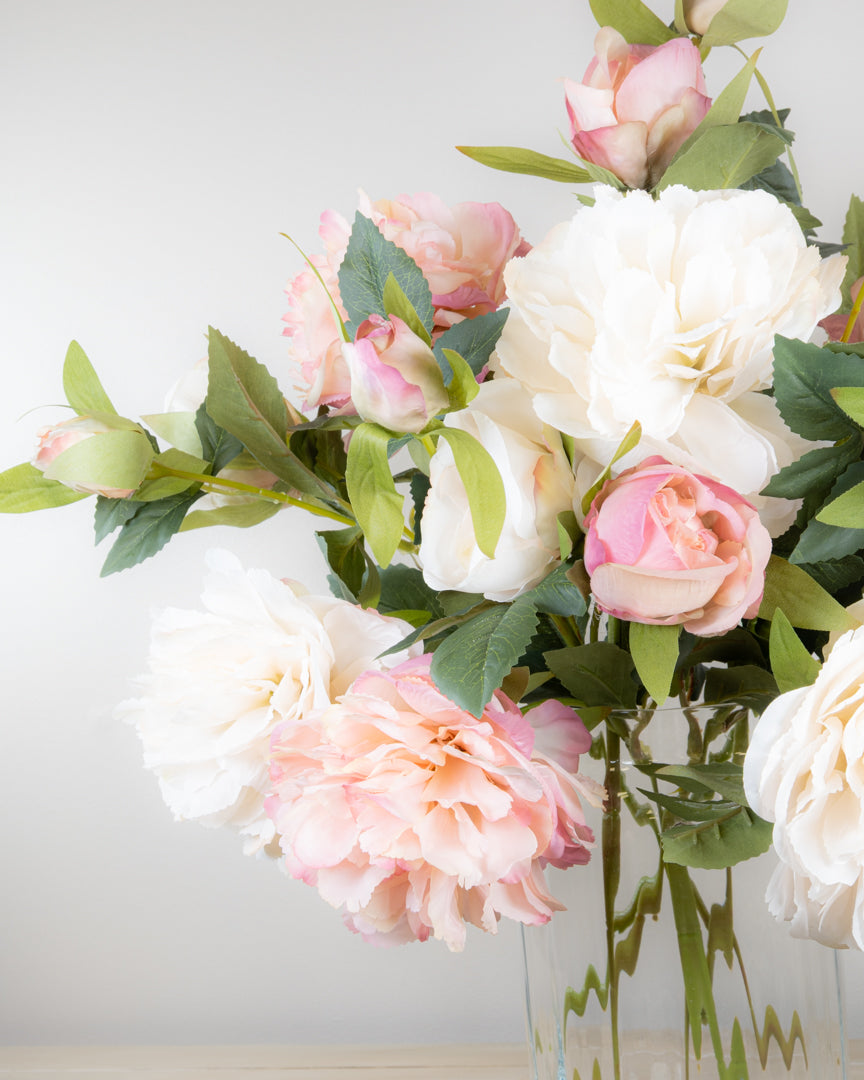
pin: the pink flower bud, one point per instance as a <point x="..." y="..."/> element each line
<point x="395" y="378"/>
<point x="636" y="105"/>
<point x="699" y="13"/>
<point x="54" y="440"/>
<point x="667" y="547"/>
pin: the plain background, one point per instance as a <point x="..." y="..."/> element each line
<point x="152" y="153"/>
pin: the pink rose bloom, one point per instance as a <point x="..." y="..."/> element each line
<point x="92" y="479"/>
<point x="835" y="325"/>
<point x="462" y="251"/>
<point x="667" y="547"/>
<point x="416" y="818"/>
<point x="395" y="378"/>
<point x="636" y="105"/>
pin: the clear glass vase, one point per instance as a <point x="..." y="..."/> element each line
<point x="666" y="972"/>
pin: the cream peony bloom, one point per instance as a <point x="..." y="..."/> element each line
<point x="538" y="483"/>
<point x="262" y="653"/>
<point x="664" y="311"/>
<point x="804" y="771"/>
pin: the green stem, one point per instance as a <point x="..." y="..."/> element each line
<point x="611" y="845"/>
<point x="853" y="315"/>
<point x="216" y="483"/>
<point x="567" y="629"/>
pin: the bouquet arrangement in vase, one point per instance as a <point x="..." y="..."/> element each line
<point x="558" y="487"/>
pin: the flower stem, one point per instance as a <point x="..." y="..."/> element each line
<point x="769" y="99"/>
<point x="853" y="315"/>
<point x="611" y="848"/>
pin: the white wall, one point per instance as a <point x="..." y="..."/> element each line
<point x="152" y="154"/>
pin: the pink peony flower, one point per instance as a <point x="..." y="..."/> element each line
<point x="416" y="818"/>
<point x="667" y="547"/>
<point x="636" y="105"/>
<point x="395" y="378"/>
<point x="462" y="251"/>
<point x="128" y="455"/>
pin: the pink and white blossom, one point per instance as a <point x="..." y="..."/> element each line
<point x="416" y="818"/>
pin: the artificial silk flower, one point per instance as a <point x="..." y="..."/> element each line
<point x="262" y="652"/>
<point x="538" y="483"/>
<point x="664" y="311"/>
<point x="666" y="547"/>
<point x="414" y="817"/>
<point x="804" y="770"/>
<point x="57" y="458"/>
<point x="636" y="105"/>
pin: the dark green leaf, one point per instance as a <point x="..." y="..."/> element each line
<point x="343" y="550"/>
<point x="403" y="588"/>
<point x="148" y="531"/>
<point x="474" y="339"/>
<point x="815" y="470"/>
<point x="110" y="514"/>
<point x="557" y="595"/>
<point x="713" y="845"/>
<point x="472" y="663"/>
<point x="596" y="674"/>
<point x="516" y="160"/>
<point x="745" y="685"/>
<point x="820" y="541"/>
<point x="217" y="445"/>
<point x="853" y="236"/>
<point x="369" y="261"/>
<point x="804" y="376"/>
<point x="419" y="490"/>
<point x="725" y="779"/>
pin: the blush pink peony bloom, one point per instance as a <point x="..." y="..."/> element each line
<point x="395" y="378"/>
<point x="636" y="105"/>
<point x="126" y="458"/>
<point x="462" y="251"/>
<point x="667" y="547"/>
<point x="416" y="818"/>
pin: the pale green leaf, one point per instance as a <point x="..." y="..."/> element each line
<point x="160" y="487"/>
<point x="724" y="157"/>
<point x="483" y="486"/>
<point x="528" y="162"/>
<point x="83" y="389"/>
<point x="738" y="20"/>
<point x="655" y="653"/>
<point x="240" y="515"/>
<point x="851" y="401"/>
<point x="791" y="663"/>
<point x="396" y="303"/>
<point x="377" y="505"/>
<point x="462" y="386"/>
<point x="846" y="511"/>
<point x="636" y="22"/>
<point x="177" y="429"/>
<point x="628" y="443"/>
<point x="722" y="841"/>
<point x="24" y="488"/>
<point x="726" y="107"/>
<point x="804" y="602"/>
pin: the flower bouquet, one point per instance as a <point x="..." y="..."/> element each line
<point x="557" y="487"/>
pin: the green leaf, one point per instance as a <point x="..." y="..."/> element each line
<point x="116" y="459"/>
<point x="804" y="376"/>
<point x="721" y="778"/>
<point x="698" y="991"/>
<point x="851" y="401"/>
<point x="177" y="429"/>
<point x="822" y="540"/>
<point x="791" y="663"/>
<point x="462" y="386"/>
<point x="596" y="674"/>
<point x="238" y="515"/>
<point x="557" y="595"/>
<point x="372" y="491"/>
<point x="814" y="471"/>
<point x="470" y="665"/>
<point x="483" y="486"/>
<point x="804" y="602"/>
<point x="736" y="835"/>
<point x="148" y="531"/>
<point x="655" y="653"/>
<point x="726" y="107"/>
<point x="633" y="20"/>
<point x="628" y="443"/>
<point x="24" y="488"/>
<point x="744" y="685"/>
<point x="110" y="514"/>
<point x="738" y="20"/>
<point x="83" y="389"/>
<point x="160" y="487"/>
<point x="397" y="304"/>
<point x="474" y="339"/>
<point x="368" y="262"/>
<point x="689" y="809"/>
<point x="516" y="160"/>
<point x="343" y="550"/>
<point x="217" y="445"/>
<point x="404" y="588"/>
<point x="244" y="399"/>
<point x="846" y="511"/>
<point x="853" y="236"/>
<point x="724" y="157"/>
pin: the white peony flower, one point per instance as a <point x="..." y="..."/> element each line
<point x="664" y="311"/>
<point x="263" y="653"/>
<point x="538" y="482"/>
<point x="804" y="771"/>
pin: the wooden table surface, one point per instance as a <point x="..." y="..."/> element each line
<point x="467" y="1062"/>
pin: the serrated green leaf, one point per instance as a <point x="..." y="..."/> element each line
<point x="853" y="236"/>
<point x="655" y="653"/>
<point x="746" y="685"/>
<point x="24" y="488"/>
<point x="244" y="399"/>
<point x="370" y="589"/>
<point x="804" y="376"/>
<point x="81" y="384"/>
<point x="851" y="401"/>
<point x="419" y="490"/>
<point x="147" y="532"/>
<point x="813" y="471"/>
<point x="483" y="487"/>
<point x="343" y="550"/>
<point x="470" y="665"/>
<point x="712" y="845"/>
<point x="804" y="602"/>
<point x="397" y="304"/>
<point x="596" y="674"/>
<point x="636" y="23"/>
<point x="177" y="429"/>
<point x="237" y="515"/>
<point x="823" y="541"/>
<point x="404" y="588"/>
<point x="110" y="514"/>
<point x="725" y="779"/>
<point x="474" y="339"/>
<point x="218" y="446"/>
<point x="846" y="511"/>
<point x="557" y="595"/>
<point x="369" y="260"/>
<point x="117" y="459"/>
<point x="791" y="663"/>
<point x="689" y="809"/>
<point x="527" y="162"/>
<point x="738" y="20"/>
<point x="372" y="491"/>
<point x="724" y="157"/>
